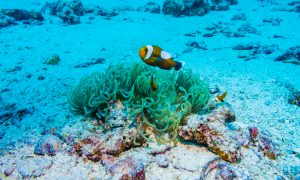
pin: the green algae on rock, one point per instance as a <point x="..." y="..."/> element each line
<point x="178" y="94"/>
<point x="54" y="60"/>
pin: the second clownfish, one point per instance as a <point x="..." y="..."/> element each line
<point x="157" y="57"/>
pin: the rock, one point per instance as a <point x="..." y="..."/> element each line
<point x="190" y="158"/>
<point x="211" y="130"/>
<point x="2" y="134"/>
<point x="91" y="63"/>
<point x="248" y="29"/>
<point x="13" y="115"/>
<point x="296" y="151"/>
<point x="274" y="22"/>
<point x="48" y="144"/>
<point x="214" y="89"/>
<point x="248" y="46"/>
<point x="265" y="49"/>
<point x="224" y="112"/>
<point x="216" y="28"/>
<point x="294" y="98"/>
<point x="239" y="17"/>
<point x="292" y="171"/>
<point x="113" y="142"/>
<point x="196" y="45"/>
<point x="208" y="35"/>
<point x="8" y="171"/>
<point x="220" y="5"/>
<point x="264" y="144"/>
<point x="69" y="12"/>
<point x="216" y="169"/>
<point x="185" y="7"/>
<point x="33" y="167"/>
<point x="292" y="55"/>
<point x="54" y="60"/>
<point x="150" y="7"/>
<point x="5" y="115"/>
<point x="155" y="148"/>
<point x="108" y="14"/>
<point x="162" y="161"/>
<point x="253" y="131"/>
<point x="128" y="167"/>
<point x="6" y="21"/>
<point x="21" y="15"/>
<point x="238" y="34"/>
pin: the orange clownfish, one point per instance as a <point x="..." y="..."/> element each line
<point x="157" y="57"/>
<point x="220" y="98"/>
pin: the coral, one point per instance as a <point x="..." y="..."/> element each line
<point x="239" y="17"/>
<point x="161" y="111"/>
<point x="211" y="130"/>
<point x="48" y="144"/>
<point x="54" y="60"/>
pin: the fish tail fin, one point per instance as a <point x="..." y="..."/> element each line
<point x="179" y="65"/>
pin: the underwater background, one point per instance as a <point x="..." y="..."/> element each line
<point x="78" y="102"/>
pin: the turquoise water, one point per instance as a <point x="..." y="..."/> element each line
<point x="249" y="49"/>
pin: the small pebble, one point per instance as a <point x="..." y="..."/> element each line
<point x="8" y="171"/>
<point x="48" y="144"/>
<point x="162" y="161"/>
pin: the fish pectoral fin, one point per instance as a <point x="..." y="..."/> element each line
<point x="158" y="59"/>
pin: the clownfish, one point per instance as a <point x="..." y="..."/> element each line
<point x="157" y="57"/>
<point x="220" y="98"/>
